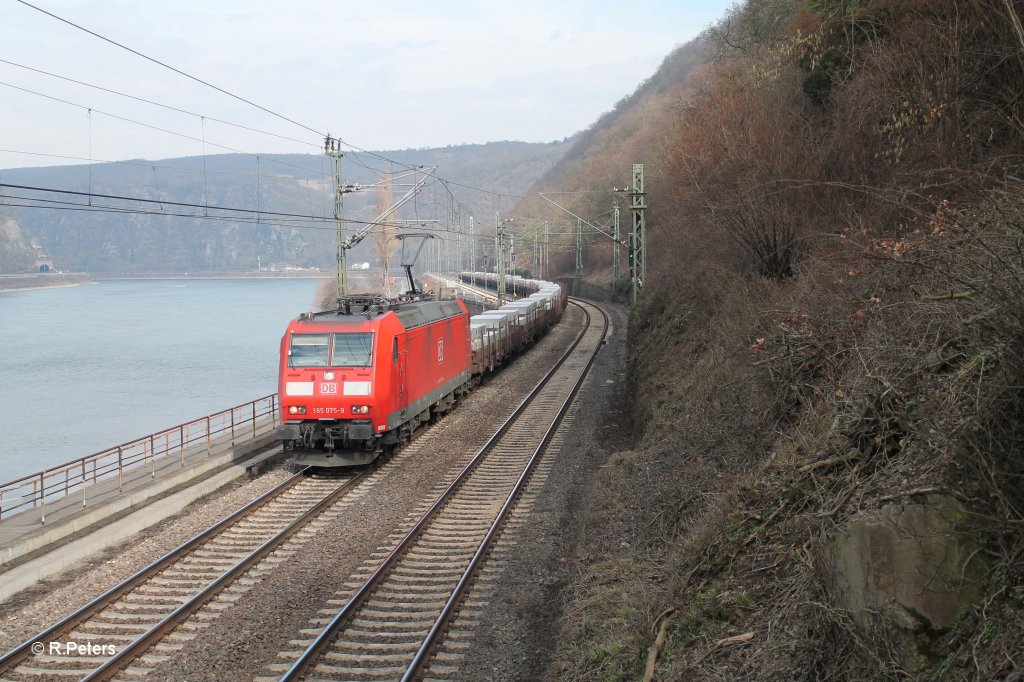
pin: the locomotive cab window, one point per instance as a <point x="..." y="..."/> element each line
<point x="308" y="350"/>
<point x="352" y="349"/>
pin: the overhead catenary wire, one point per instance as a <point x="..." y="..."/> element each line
<point x="316" y="145"/>
<point x="142" y="164"/>
<point x="225" y="92"/>
<point x="176" y="70"/>
<point x="83" y="208"/>
<point x="56" y="204"/>
<point x="210" y="207"/>
<point x="39" y="202"/>
<point x="218" y="88"/>
<point x="201" y="140"/>
<point x="241" y="99"/>
<point x="312" y="173"/>
<point x="153" y="167"/>
<point x="248" y="215"/>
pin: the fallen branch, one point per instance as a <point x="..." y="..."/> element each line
<point x="831" y="461"/>
<point x="948" y="297"/>
<point x="737" y="639"/>
<point x="909" y="493"/>
<point x="839" y="505"/>
<point x="770" y="566"/>
<point x="983" y="315"/>
<point x="771" y="517"/>
<point x="659" y="643"/>
<point x="728" y="641"/>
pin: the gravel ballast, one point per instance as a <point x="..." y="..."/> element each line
<point x="542" y="553"/>
<point x="513" y="643"/>
<point x="264" y="622"/>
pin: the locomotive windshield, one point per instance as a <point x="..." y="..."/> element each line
<point x="352" y="349"/>
<point x="308" y="350"/>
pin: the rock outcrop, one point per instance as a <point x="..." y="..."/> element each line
<point x="908" y="569"/>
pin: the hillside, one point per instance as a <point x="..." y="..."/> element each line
<point x="16" y="252"/>
<point x="292" y="184"/>
<point x="827" y="360"/>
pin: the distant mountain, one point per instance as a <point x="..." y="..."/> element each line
<point x="85" y="240"/>
<point x="600" y="158"/>
<point x="16" y="252"/>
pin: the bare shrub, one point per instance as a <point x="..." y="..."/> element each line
<point x="735" y="143"/>
<point x="835" y="323"/>
<point x="764" y="225"/>
<point x="978" y="270"/>
<point x="384" y="235"/>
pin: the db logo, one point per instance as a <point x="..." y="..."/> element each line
<point x="328" y="389"/>
<point x="440" y="351"/>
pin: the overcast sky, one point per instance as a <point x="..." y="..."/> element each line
<point x="380" y="75"/>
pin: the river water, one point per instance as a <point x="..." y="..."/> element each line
<point x="88" y="367"/>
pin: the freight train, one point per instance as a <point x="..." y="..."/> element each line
<point x="360" y="379"/>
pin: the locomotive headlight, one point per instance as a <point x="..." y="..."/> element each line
<point x="360" y="409"/>
<point x="297" y="409"/>
<point x="328" y="376"/>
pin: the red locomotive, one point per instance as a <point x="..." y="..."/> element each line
<point x="356" y="380"/>
<point x="362" y="378"/>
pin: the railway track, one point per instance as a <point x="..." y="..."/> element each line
<point x="144" y="619"/>
<point x="396" y="611"/>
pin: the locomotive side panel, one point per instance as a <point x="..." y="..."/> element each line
<point x="394" y="355"/>
<point x="438" y="361"/>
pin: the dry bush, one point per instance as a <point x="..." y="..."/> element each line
<point x="385" y="241"/>
<point x="870" y="346"/>
<point x="908" y="373"/>
<point x="974" y="270"/>
<point x="704" y="424"/>
<point x="909" y="363"/>
<point x="921" y="99"/>
<point x="891" y="369"/>
<point x="744" y="158"/>
<point x="326" y="297"/>
<point x="327" y="293"/>
<point x="750" y="29"/>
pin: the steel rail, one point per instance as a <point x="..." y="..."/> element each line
<point x="19" y="653"/>
<point x="136" y="648"/>
<point x="434" y="635"/>
<point x="312" y="652"/>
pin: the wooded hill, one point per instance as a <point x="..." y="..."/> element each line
<point x="284" y="183"/>
<point x="827" y="359"/>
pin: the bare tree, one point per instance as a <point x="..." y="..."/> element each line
<point x="384" y="242"/>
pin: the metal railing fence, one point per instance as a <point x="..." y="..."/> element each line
<point x="212" y="432"/>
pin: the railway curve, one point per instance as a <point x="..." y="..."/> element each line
<point x="392" y="620"/>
